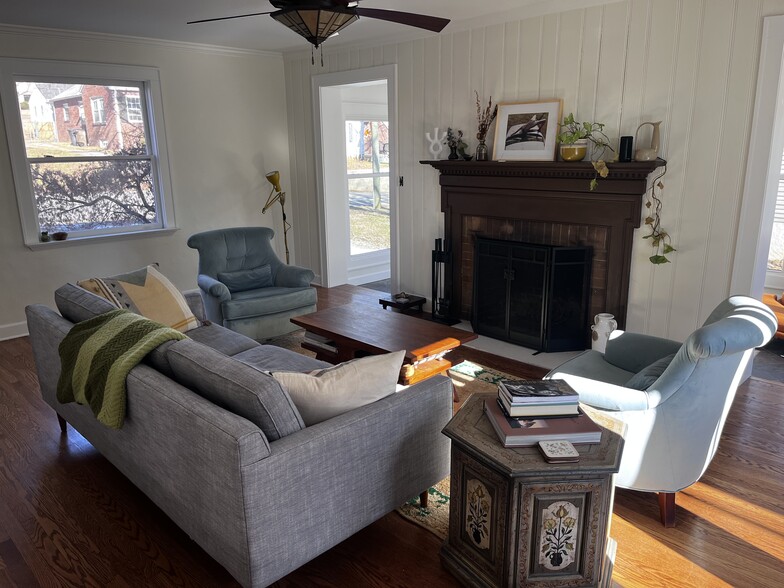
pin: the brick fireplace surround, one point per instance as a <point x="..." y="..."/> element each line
<point x="546" y="203"/>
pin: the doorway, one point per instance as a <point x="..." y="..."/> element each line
<point x="354" y="114"/>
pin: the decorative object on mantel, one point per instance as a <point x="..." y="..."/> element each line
<point x="652" y="152"/>
<point x="604" y="324"/>
<point x="484" y="118"/>
<point x="60" y="236"/>
<point x="527" y="131"/>
<point x="45" y="237"/>
<point x="436" y="142"/>
<point x="625" y="149"/>
<point x="280" y="196"/>
<point x="456" y="144"/>
<point x="660" y="239"/>
<point x="574" y="139"/>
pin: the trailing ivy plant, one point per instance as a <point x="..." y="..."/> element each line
<point x="573" y="131"/>
<point x="660" y="239"/>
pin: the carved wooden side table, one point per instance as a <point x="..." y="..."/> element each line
<point x="516" y="520"/>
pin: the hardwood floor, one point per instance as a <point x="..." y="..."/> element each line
<point x="69" y="518"/>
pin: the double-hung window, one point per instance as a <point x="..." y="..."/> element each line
<point x="775" y="274"/>
<point x="99" y="174"/>
<point x="96" y="104"/>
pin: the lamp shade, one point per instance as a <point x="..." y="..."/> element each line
<point x="274" y="178"/>
<point x="315" y="24"/>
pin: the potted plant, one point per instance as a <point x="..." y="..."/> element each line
<point x="457" y="147"/>
<point x="575" y="138"/>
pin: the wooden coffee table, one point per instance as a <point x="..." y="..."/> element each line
<point x="342" y="333"/>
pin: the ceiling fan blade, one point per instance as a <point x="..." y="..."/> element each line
<point x="421" y="21"/>
<point x="228" y="17"/>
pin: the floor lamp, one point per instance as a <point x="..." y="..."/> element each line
<point x="277" y="195"/>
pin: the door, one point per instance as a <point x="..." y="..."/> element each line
<point x="355" y="129"/>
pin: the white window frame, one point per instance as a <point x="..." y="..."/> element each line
<point x="136" y="110"/>
<point x="100" y="110"/>
<point x="13" y="70"/>
<point x="66" y="114"/>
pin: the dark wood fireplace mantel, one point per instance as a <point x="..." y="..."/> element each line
<point x="548" y="203"/>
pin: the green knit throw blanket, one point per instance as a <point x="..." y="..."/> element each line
<point x="96" y="356"/>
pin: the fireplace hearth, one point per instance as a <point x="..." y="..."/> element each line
<point x="543" y="203"/>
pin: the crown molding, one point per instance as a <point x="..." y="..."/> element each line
<point x="67" y="34"/>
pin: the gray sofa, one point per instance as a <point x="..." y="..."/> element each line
<point x="260" y="504"/>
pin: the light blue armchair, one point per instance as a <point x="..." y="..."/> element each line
<point x="673" y="397"/>
<point x="245" y="287"/>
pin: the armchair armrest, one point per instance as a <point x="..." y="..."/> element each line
<point x="605" y="395"/>
<point x="214" y="288"/>
<point x="291" y="276"/>
<point x="634" y="351"/>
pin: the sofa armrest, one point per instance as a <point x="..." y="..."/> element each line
<point x="214" y="288"/>
<point x="195" y="303"/>
<point x="634" y="351"/>
<point x="355" y="467"/>
<point x="291" y="276"/>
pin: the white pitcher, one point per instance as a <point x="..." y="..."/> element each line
<point x="604" y="324"/>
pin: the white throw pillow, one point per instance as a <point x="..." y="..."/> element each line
<point x="323" y="394"/>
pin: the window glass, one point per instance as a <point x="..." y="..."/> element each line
<point x="84" y="162"/>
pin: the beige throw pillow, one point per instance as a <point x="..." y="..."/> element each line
<point x="146" y="292"/>
<point x="323" y="394"/>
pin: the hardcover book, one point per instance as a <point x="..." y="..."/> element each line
<point x="523" y="432"/>
<point x="537" y="410"/>
<point x="538" y="391"/>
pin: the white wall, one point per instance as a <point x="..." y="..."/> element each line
<point x="226" y="126"/>
<point x="689" y="63"/>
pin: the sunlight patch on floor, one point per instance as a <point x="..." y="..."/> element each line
<point x="756" y="525"/>
<point x="641" y="558"/>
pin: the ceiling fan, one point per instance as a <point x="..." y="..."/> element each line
<point x="318" y="20"/>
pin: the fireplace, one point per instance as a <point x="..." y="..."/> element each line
<point x="532" y="295"/>
<point x="543" y="203"/>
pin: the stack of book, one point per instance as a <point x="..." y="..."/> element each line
<point x="537" y="398"/>
<point x="549" y="410"/>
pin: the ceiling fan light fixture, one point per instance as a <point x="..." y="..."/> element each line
<point x="315" y="25"/>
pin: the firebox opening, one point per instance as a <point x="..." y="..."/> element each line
<point x="533" y="295"/>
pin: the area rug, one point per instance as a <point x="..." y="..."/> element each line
<point x="468" y="378"/>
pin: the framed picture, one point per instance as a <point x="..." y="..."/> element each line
<point x="527" y="130"/>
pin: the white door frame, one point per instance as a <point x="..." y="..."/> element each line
<point x="762" y="167"/>
<point x="382" y="72"/>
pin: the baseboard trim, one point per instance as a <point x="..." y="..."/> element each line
<point x="13" y="331"/>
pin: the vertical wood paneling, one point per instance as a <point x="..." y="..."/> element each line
<point x="689" y="63"/>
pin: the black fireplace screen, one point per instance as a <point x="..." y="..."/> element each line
<point x="533" y="295"/>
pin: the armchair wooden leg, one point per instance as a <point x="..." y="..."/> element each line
<point x="63" y="425"/>
<point x="667" y="508"/>
<point x="423" y="499"/>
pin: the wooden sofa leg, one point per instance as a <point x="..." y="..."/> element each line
<point x="423" y="499"/>
<point x="667" y="508"/>
<point x="63" y="425"/>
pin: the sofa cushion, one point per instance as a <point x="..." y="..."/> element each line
<point x="326" y="393"/>
<point x="264" y="301"/>
<point x="235" y="386"/>
<point x="249" y="279"/>
<point x="272" y="358"/>
<point x="77" y="304"/>
<point x="147" y="292"/>
<point x="222" y="339"/>
<point x="645" y="378"/>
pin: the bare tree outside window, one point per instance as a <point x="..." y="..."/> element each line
<point x="93" y="171"/>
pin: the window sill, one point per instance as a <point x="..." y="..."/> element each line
<point x="37" y="246"/>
